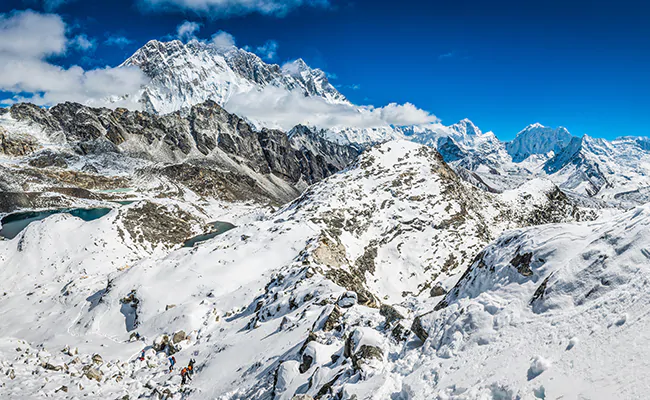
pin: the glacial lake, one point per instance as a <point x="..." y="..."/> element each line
<point x="219" y="226"/>
<point x="13" y="224"/>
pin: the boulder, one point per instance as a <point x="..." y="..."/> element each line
<point x="365" y="354"/>
<point x="160" y="343"/>
<point x="179" y="337"/>
<point x="92" y="373"/>
<point x="347" y="299"/>
<point x="390" y="313"/>
<point x="332" y="320"/>
<point x="437" y="290"/>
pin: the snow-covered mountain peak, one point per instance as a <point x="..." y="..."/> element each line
<point x="538" y="139"/>
<point x="466" y="128"/>
<point x="296" y="67"/>
<point x="184" y="74"/>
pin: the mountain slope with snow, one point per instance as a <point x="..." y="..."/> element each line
<point x="307" y="300"/>
<point x="182" y="75"/>
<point x="558" y="311"/>
<point x="596" y="167"/>
<point x="537" y="139"/>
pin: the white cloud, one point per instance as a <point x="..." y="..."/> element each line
<point x="117" y="40"/>
<point x="83" y="43"/>
<point x="273" y="106"/>
<point x="227" y="8"/>
<point x="222" y="40"/>
<point x="27" y="39"/>
<point x="186" y="31"/>
<point x="267" y="51"/>
<point x="31" y="34"/>
<point x="404" y="114"/>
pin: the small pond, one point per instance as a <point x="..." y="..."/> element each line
<point x="124" y="202"/>
<point x="219" y="228"/>
<point x="13" y="224"/>
<point x="120" y="190"/>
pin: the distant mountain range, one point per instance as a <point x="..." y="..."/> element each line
<point x="183" y="75"/>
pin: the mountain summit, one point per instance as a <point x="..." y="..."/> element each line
<point x="182" y="75"/>
<point x="538" y="139"/>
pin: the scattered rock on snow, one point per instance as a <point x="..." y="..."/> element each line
<point x="93" y="373"/>
<point x="572" y="342"/>
<point x="179" y="337"/>
<point x="438" y="290"/>
<point x="97" y="359"/>
<point x="332" y="320"/>
<point x="365" y="354"/>
<point x="390" y="313"/>
<point x="538" y="365"/>
<point x="347" y="299"/>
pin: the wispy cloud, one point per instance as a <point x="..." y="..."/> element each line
<point x="268" y="51"/>
<point x="227" y="8"/>
<point x="28" y="39"/>
<point x="455" y="54"/>
<point x="117" y="40"/>
<point x="354" y="86"/>
<point x="83" y="43"/>
<point x="51" y="5"/>
<point x="187" y="30"/>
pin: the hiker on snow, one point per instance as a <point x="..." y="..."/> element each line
<point x="142" y="355"/>
<point x="184" y="376"/>
<point x="172" y="362"/>
<point x="190" y="366"/>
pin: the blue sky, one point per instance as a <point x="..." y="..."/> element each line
<point x="502" y="64"/>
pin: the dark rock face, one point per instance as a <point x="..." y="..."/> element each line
<point x="390" y="313"/>
<point x="17" y="146"/>
<point x="310" y="142"/>
<point x="48" y="158"/>
<point x="153" y="223"/>
<point x="208" y="149"/>
<point x="36" y="115"/>
<point x="522" y="263"/>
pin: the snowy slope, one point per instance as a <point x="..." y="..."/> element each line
<point x="293" y="303"/>
<point x="558" y="311"/>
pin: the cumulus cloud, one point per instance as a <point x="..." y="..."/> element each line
<point x="32" y="34"/>
<point x="283" y="109"/>
<point x="227" y="8"/>
<point x="222" y="40"/>
<point x="83" y="43"/>
<point x="117" y="41"/>
<point x="267" y="51"/>
<point x="186" y="31"/>
<point x="28" y="39"/>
